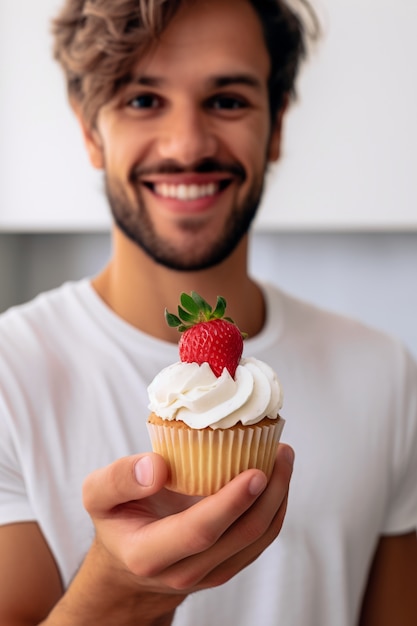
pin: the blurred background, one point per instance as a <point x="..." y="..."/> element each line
<point x="338" y="225"/>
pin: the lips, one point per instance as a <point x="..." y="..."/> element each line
<point x="188" y="191"/>
<point x="170" y="181"/>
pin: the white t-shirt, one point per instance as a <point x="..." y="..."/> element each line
<point x="73" y="379"/>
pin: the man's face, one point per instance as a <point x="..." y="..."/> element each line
<point x="186" y="143"/>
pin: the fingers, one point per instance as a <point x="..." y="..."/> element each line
<point x="243" y="540"/>
<point x="127" y="479"/>
<point x="203" y="545"/>
<point x="231" y="566"/>
<point x="199" y="527"/>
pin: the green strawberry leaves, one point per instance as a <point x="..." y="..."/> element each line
<point x="220" y="309"/>
<point x="193" y="310"/>
<point x="193" y="305"/>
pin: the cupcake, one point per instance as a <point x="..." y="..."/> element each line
<point x="213" y="414"/>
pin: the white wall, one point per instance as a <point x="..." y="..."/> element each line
<point x="349" y="144"/>
<point x="370" y="276"/>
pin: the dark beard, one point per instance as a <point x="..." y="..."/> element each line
<point x="134" y="222"/>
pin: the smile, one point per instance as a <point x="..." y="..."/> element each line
<point x="192" y="191"/>
<point x="186" y="192"/>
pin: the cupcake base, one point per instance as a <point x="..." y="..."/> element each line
<point x="200" y="462"/>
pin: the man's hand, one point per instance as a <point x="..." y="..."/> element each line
<point x="153" y="546"/>
<point x="179" y="542"/>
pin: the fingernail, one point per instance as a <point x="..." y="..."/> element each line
<point x="144" y="471"/>
<point x="257" y="484"/>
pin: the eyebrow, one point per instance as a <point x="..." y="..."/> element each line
<point x="236" y="79"/>
<point x="215" y="82"/>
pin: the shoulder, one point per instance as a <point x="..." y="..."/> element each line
<point x="307" y="324"/>
<point x="31" y="331"/>
<point x="45" y="303"/>
<point x="44" y="309"/>
<point x="344" y="352"/>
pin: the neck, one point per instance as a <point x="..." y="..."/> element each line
<point x="138" y="290"/>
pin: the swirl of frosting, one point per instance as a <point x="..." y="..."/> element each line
<point x="193" y="394"/>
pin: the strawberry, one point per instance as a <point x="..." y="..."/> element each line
<point x="207" y="336"/>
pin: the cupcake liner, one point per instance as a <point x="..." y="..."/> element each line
<point x="202" y="461"/>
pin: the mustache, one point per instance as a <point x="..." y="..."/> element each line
<point x="207" y="166"/>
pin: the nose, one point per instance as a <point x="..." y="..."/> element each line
<point x="187" y="136"/>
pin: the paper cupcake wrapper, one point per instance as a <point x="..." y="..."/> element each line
<point x="202" y="461"/>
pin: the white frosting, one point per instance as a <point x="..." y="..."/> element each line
<point x="193" y="394"/>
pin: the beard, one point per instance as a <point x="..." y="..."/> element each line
<point x="134" y="220"/>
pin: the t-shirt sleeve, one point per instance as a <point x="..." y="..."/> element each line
<point x="401" y="514"/>
<point x="14" y="503"/>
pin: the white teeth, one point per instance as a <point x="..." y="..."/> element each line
<point x="185" y="192"/>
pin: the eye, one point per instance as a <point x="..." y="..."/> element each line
<point x="224" y="102"/>
<point x="145" y="101"/>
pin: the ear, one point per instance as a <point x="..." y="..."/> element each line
<point x="274" y="149"/>
<point x="91" y="139"/>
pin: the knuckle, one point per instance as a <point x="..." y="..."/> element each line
<point x="141" y="567"/>
<point x="201" y="541"/>
<point x="252" y="529"/>
<point x="88" y="493"/>
<point x="181" y="581"/>
<point x="218" y="578"/>
<point x="114" y="483"/>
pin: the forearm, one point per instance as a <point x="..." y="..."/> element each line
<point x="390" y="596"/>
<point x="99" y="594"/>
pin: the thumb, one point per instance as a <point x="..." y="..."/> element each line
<point x="127" y="479"/>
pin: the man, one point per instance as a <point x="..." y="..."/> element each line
<point x="184" y="125"/>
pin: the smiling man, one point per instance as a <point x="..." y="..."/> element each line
<point x="181" y="105"/>
<point x="186" y="140"/>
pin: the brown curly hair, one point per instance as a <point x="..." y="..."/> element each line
<point x="97" y="43"/>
